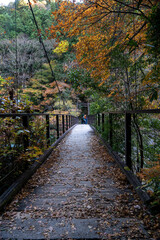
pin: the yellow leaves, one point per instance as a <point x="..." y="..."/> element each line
<point x="7" y="82"/>
<point x="30" y="154"/>
<point x="152" y="76"/>
<point x="9" y="78"/>
<point x="31" y="91"/>
<point x="111" y="93"/>
<point x="100" y="29"/>
<point x="92" y="52"/>
<point x="101" y="84"/>
<point x="62" y="48"/>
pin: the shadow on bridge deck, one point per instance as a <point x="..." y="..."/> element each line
<point x="78" y="193"/>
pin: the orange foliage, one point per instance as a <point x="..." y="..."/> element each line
<point x="151" y="178"/>
<point x="153" y="172"/>
<point x="52" y="90"/>
<point x="100" y="27"/>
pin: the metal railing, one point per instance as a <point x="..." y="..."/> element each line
<point x="57" y="122"/>
<point x="134" y="135"/>
<point x="22" y="135"/>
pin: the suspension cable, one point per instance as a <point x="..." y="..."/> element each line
<point x="16" y="46"/>
<point x="46" y="54"/>
<point x="135" y="64"/>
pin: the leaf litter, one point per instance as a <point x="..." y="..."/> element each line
<point x="98" y="190"/>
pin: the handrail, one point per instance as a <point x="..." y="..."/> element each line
<point x="30" y="114"/>
<point x="135" y="111"/>
<point x="127" y="123"/>
<point x="53" y="125"/>
<point x="67" y="122"/>
<point x="21" y="114"/>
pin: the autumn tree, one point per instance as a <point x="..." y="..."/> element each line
<point x="153" y="47"/>
<point x="111" y="44"/>
<point x="104" y="28"/>
<point x="42" y="90"/>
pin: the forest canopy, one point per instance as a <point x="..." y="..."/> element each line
<point x="118" y="43"/>
<point x="110" y="48"/>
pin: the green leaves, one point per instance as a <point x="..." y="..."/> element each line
<point x="153" y="95"/>
<point x="133" y="43"/>
<point x="127" y="169"/>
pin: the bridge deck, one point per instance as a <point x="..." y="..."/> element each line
<point x="78" y="193"/>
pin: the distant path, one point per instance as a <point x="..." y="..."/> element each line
<point x="78" y="193"/>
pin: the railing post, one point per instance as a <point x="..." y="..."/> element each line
<point x="128" y="140"/>
<point x="66" y="122"/>
<point x="57" y="125"/>
<point x="47" y="130"/>
<point x="25" y="120"/>
<point x="110" y="130"/>
<point x="63" y="123"/>
<point x="99" y="121"/>
<point x="102" y="122"/>
<point x="69" y="121"/>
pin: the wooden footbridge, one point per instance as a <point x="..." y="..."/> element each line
<point x="79" y="192"/>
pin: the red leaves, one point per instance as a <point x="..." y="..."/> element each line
<point x="39" y="32"/>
